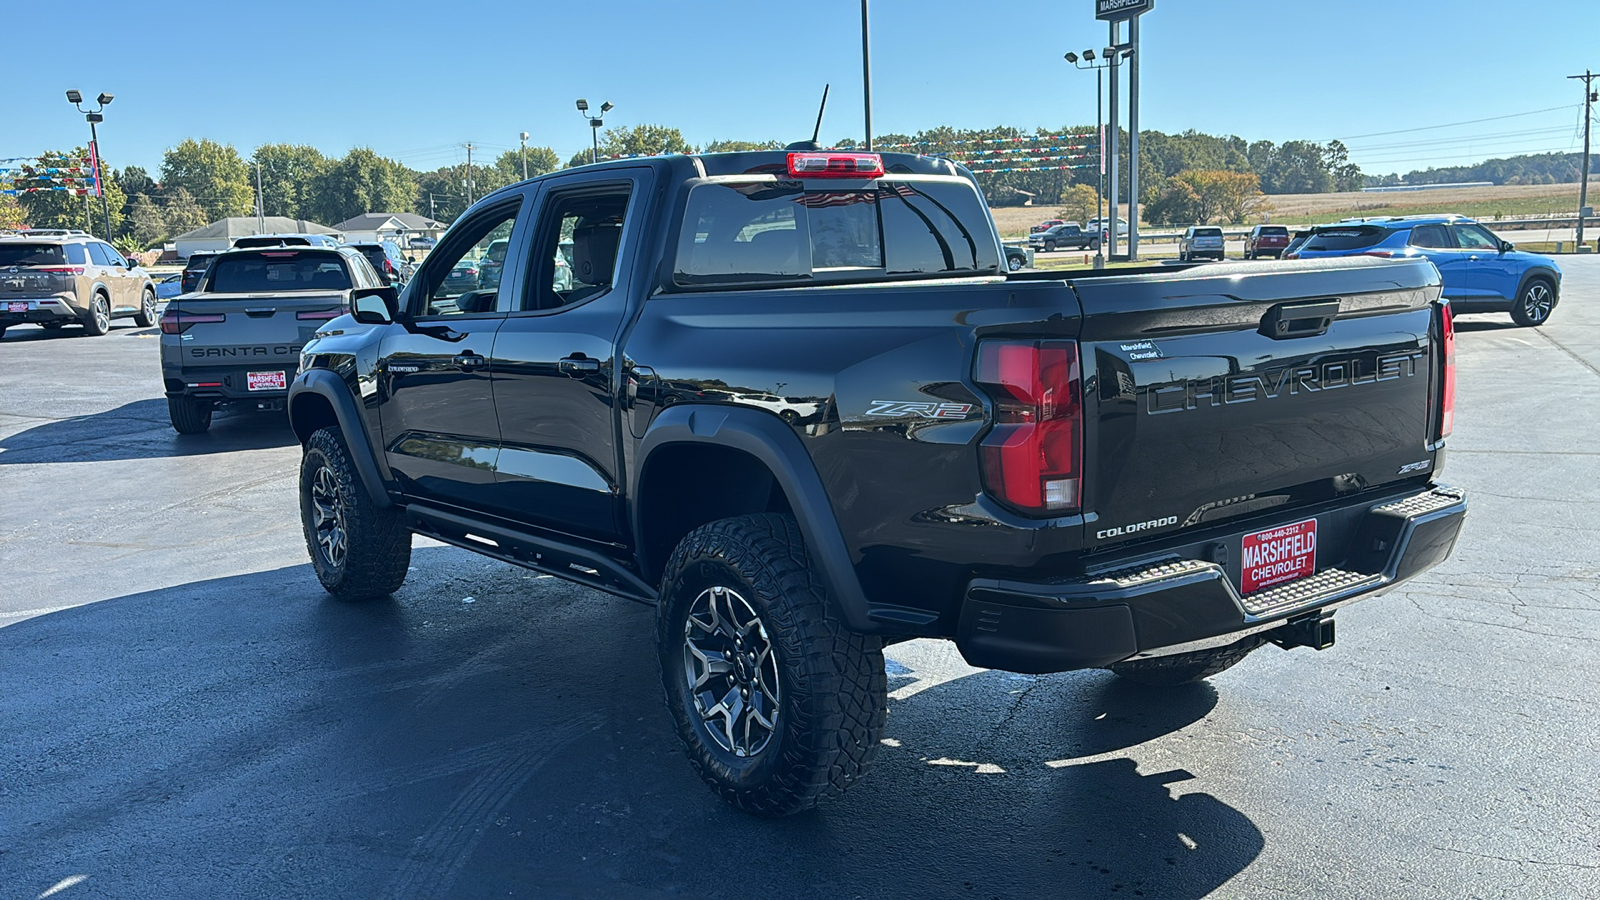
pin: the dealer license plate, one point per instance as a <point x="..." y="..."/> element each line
<point x="1277" y="555"/>
<point x="266" y="381"/>
<point x="16" y="307"/>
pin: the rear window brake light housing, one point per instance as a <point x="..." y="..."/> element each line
<point x="835" y="165"/>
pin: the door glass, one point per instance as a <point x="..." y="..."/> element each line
<point x="1430" y="237"/>
<point x="576" y="253"/>
<point x="464" y="275"/>
<point x="98" y="253"/>
<point x="1473" y="237"/>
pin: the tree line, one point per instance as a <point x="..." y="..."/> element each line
<point x="1536" y="168"/>
<point x="1190" y="176"/>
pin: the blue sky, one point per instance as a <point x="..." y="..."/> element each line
<point x="414" y="81"/>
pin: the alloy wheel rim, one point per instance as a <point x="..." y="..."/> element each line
<point x="149" y="307"/>
<point x="102" y="318"/>
<point x="327" y="514"/>
<point x="731" y="671"/>
<point x="1536" y="303"/>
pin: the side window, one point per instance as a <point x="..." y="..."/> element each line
<point x="1474" y="237"/>
<point x="76" y="256"/>
<point x="575" y="248"/>
<point x="461" y="276"/>
<point x="1430" y="237"/>
<point x="97" y="252"/>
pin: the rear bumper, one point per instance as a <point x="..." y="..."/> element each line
<point x="1185" y="601"/>
<point x="230" y="384"/>
<point x="40" y="309"/>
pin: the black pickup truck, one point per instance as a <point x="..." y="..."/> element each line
<point x="794" y="401"/>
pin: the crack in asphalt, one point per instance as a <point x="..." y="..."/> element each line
<point x="1564" y="349"/>
<point x="1520" y="862"/>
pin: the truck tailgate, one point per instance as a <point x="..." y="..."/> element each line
<point x="250" y="327"/>
<point x="1221" y="392"/>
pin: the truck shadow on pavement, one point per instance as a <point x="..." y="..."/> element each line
<point x="141" y="430"/>
<point x="490" y="731"/>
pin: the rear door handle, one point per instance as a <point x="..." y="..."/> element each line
<point x="580" y="365"/>
<point x="469" y="361"/>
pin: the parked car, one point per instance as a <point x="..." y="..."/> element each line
<point x="421" y="243"/>
<point x="1046" y="225"/>
<point x="286" y="239"/>
<point x="70" y="278"/>
<point x="492" y="266"/>
<point x="385" y="259"/>
<point x="1481" y="271"/>
<point x="1054" y="474"/>
<point x="1102" y="226"/>
<point x="170" y="286"/>
<point x="1057" y="237"/>
<point x="462" y="277"/>
<point x="1201" y="242"/>
<point x="1295" y="240"/>
<point x="1266" y="240"/>
<point x="236" y="339"/>
<point x="193" y="268"/>
<point x="1016" y="258"/>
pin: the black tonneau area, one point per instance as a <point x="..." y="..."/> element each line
<point x="1222" y="391"/>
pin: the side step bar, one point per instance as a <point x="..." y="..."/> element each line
<point x="531" y="551"/>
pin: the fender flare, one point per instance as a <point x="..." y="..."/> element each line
<point x="1544" y="272"/>
<point x="331" y="387"/>
<point x="775" y="445"/>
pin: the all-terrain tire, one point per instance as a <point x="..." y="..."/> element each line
<point x="189" y="416"/>
<point x="97" y="321"/>
<point x="146" y="316"/>
<point x="1185" y="668"/>
<point x="1534" y="303"/>
<point x="375" y="545"/>
<point x="830" y="685"/>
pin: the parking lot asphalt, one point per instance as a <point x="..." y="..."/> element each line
<point x="186" y="714"/>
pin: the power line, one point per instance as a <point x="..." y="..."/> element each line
<point x="1531" y="112"/>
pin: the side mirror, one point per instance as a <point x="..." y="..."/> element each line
<point x="374" y="306"/>
<point x="1507" y="246"/>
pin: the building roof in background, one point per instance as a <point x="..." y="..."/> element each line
<point x="379" y="220"/>
<point x="243" y="226"/>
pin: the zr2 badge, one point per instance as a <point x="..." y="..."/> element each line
<point x="899" y="409"/>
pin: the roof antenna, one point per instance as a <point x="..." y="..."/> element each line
<point x="813" y="145"/>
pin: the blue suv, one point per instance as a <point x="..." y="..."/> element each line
<point x="1481" y="272"/>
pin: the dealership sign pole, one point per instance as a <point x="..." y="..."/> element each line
<point x="1116" y="12"/>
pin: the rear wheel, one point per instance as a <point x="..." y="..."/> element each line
<point x="147" y="310"/>
<point x="1014" y="263"/>
<point x="359" y="550"/>
<point x="1534" y="304"/>
<point x="1185" y="668"/>
<point x="189" y="416"/>
<point x="98" y="319"/>
<point x="777" y="704"/>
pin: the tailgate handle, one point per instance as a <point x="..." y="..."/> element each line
<point x="260" y="312"/>
<point x="1296" y="320"/>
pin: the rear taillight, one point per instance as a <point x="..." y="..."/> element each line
<point x="60" y="270"/>
<point x="1447" y="383"/>
<point x="1033" y="456"/>
<point x="322" y="314"/>
<point x="174" y="322"/>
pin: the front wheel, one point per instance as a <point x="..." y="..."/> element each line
<point x="1534" y="305"/>
<point x="778" y="705"/>
<point x="359" y="550"/>
<point x="1014" y="263"/>
<point x="1049" y="247"/>
<point x="1185" y="668"/>
<point x="147" y="310"/>
<point x="98" y="320"/>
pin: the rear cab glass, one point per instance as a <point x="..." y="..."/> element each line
<point x="1344" y="238"/>
<point x="277" y="271"/>
<point x="793" y="232"/>
<point x="20" y="254"/>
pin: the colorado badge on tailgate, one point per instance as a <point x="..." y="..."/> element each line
<point x="1277" y="555"/>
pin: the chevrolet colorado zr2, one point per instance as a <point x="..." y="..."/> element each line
<point x="794" y="401"/>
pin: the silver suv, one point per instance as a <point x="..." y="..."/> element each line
<point x="67" y="278"/>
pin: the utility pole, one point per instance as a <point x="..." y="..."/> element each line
<point x="523" y="138"/>
<point x="1589" y="97"/>
<point x="1133" y="139"/>
<point x="866" y="71"/>
<point x="261" y="204"/>
<point x="467" y="182"/>
<point x="1111" y="96"/>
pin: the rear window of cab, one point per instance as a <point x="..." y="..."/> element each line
<point x="20" y="254"/>
<point x="277" y="270"/>
<point x="795" y="233"/>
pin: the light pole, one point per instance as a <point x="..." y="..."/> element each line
<point x="595" y="122"/>
<point x="523" y="139"/>
<point x="1087" y="61"/>
<point x="94" y="118"/>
